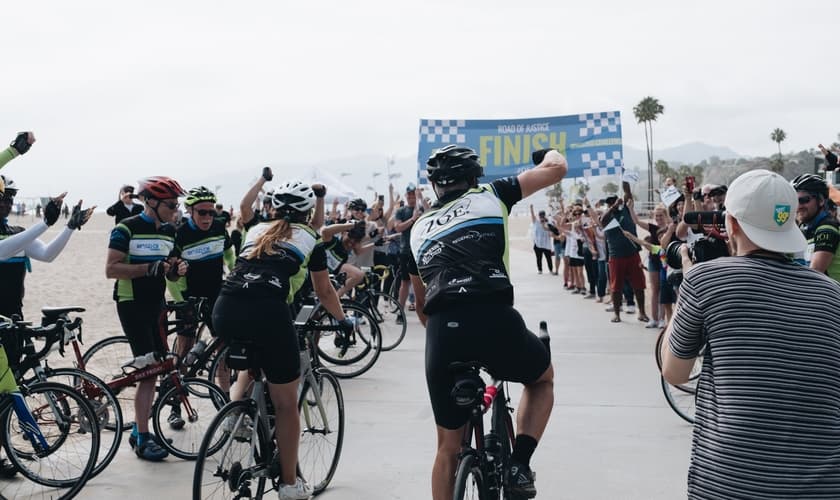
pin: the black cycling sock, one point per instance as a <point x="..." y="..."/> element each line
<point x="523" y="449"/>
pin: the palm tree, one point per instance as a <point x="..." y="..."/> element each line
<point x="777" y="136"/>
<point x="646" y="113"/>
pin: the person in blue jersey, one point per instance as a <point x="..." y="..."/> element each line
<point x="768" y="394"/>
<point x="253" y="306"/>
<point x="139" y="257"/>
<point x="460" y="274"/>
<point x="13" y="269"/>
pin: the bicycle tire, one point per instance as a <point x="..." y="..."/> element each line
<point x="215" y="365"/>
<point x="75" y="413"/>
<point x="104" y="404"/>
<point x="205" y="401"/>
<point x="362" y="355"/>
<point x="469" y="480"/>
<point x="104" y="359"/>
<point x="680" y="400"/>
<point x="212" y="477"/>
<point x="657" y="353"/>
<point x="390" y="317"/>
<point x="316" y="467"/>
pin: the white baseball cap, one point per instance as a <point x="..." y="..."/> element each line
<point x="764" y="204"/>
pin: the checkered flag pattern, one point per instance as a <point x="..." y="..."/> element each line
<point x="602" y="163"/>
<point x="597" y="123"/>
<point x="443" y="131"/>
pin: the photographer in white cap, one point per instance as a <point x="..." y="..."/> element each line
<point x="768" y="396"/>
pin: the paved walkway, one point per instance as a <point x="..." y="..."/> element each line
<point x="611" y="434"/>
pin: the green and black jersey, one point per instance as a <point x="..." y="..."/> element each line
<point x="824" y="236"/>
<point x="142" y="242"/>
<point x="205" y="252"/>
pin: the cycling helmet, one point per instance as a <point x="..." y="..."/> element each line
<point x="453" y="163"/>
<point x="293" y="195"/>
<point x="160" y="187"/>
<point x="199" y="194"/>
<point x="10" y="188"/>
<point x="357" y="204"/>
<point x="810" y="183"/>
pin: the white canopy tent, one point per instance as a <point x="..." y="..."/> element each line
<point x="335" y="187"/>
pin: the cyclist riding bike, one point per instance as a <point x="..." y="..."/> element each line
<point x="202" y="241"/>
<point x="821" y="230"/>
<point x="460" y="275"/>
<point x="339" y="241"/>
<point x="253" y="307"/>
<point x="139" y="258"/>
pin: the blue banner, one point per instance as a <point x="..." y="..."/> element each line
<point x="591" y="142"/>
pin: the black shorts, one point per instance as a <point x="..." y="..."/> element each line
<point x="494" y="335"/>
<point x="573" y="262"/>
<point x="405" y="266"/>
<point x="268" y="323"/>
<point x="141" y="323"/>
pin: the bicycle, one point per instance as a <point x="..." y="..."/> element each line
<point x="382" y="306"/>
<point x="681" y="398"/>
<point x="49" y="433"/>
<point x="62" y="331"/>
<point x="482" y="469"/>
<point x="237" y="453"/>
<point x="191" y="397"/>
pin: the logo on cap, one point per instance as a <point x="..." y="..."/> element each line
<point x="782" y="214"/>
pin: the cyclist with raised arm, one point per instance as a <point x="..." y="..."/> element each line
<point x="139" y="258"/>
<point x="465" y="299"/>
<point x="202" y="241"/>
<point x="253" y="306"/>
<point x="339" y="241"/>
<point x="821" y="230"/>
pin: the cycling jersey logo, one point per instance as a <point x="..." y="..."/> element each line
<point x="458" y="209"/>
<point x="782" y="214"/>
<point x="252" y="276"/>
<point x="431" y="253"/>
<point x="497" y="273"/>
<point x="473" y="235"/>
<point x="460" y="281"/>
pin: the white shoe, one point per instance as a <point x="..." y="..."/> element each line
<point x="298" y="491"/>
<point x="652" y="324"/>
<point x="661" y="323"/>
<point x="630" y="309"/>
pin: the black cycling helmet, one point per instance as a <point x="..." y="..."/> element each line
<point x="453" y="163"/>
<point x="357" y="204"/>
<point x="810" y="183"/>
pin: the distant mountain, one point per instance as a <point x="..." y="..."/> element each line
<point x="690" y="153"/>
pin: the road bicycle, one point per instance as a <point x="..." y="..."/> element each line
<point x="382" y="306"/>
<point x="484" y="460"/>
<point x="48" y="431"/>
<point x="237" y="458"/>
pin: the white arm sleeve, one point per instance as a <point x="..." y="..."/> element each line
<point x="14" y="244"/>
<point x="48" y="252"/>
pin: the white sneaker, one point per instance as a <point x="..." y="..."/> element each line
<point x="243" y="431"/>
<point x="630" y="309"/>
<point x="661" y="323"/>
<point x="652" y="324"/>
<point x="298" y="491"/>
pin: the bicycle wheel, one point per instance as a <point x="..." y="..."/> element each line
<point x="217" y="366"/>
<point x="104" y="359"/>
<point x="681" y="399"/>
<point x="469" y="481"/>
<point x="321" y="410"/>
<point x="366" y="343"/>
<point x="234" y="456"/>
<point x="59" y="466"/>
<point x="104" y="404"/>
<point x="198" y="402"/>
<point x="390" y="318"/>
<point x="658" y="350"/>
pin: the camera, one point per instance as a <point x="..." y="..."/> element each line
<point x="710" y="246"/>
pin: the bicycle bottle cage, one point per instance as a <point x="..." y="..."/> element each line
<point x="468" y="390"/>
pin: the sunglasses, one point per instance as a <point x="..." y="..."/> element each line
<point x="805" y="199"/>
<point x="205" y="213"/>
<point x="171" y="205"/>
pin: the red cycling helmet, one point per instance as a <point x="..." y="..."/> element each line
<point x="160" y="187"/>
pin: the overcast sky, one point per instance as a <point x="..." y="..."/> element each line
<point x="116" y="91"/>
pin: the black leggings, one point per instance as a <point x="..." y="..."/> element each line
<point x="539" y="252"/>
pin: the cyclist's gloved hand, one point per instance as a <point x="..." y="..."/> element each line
<point x="156" y="269"/>
<point x="267" y="174"/>
<point x="22" y="142"/>
<point x="320" y="190"/>
<point x="379" y="242"/>
<point x="79" y="217"/>
<point x="346" y="326"/>
<point x="52" y="211"/>
<point x="373" y="232"/>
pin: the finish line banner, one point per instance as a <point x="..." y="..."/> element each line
<point x="590" y="142"/>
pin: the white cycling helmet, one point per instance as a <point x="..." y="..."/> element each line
<point x="294" y="195"/>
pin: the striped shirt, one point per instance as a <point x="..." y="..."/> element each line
<point x="767" y="423"/>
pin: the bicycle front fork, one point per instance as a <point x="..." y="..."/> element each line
<point x="27" y="422"/>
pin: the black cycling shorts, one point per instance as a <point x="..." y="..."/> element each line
<point x="494" y="335"/>
<point x="266" y="322"/>
<point x="405" y="266"/>
<point x="141" y="324"/>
